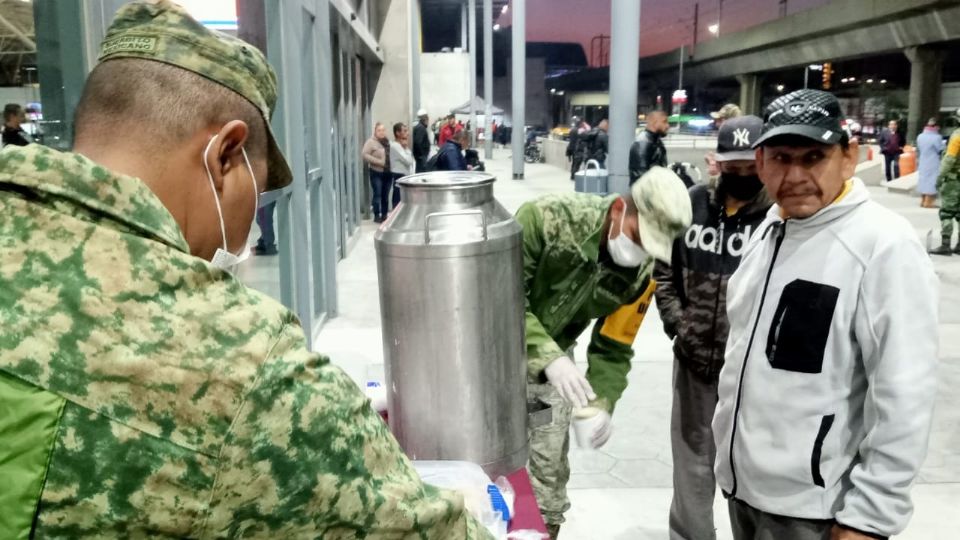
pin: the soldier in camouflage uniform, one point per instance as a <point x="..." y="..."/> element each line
<point x="586" y="259"/>
<point x="692" y="300"/>
<point x="144" y="391"/>
<point x="948" y="185"/>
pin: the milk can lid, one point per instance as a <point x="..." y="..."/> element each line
<point x="447" y="179"/>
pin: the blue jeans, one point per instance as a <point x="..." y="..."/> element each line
<point x="380" y="182"/>
<point x="395" y="200"/>
<point x="892" y="166"/>
<point x="265" y="222"/>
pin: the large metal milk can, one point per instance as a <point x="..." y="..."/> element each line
<point x="450" y="266"/>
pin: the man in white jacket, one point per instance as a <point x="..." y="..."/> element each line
<point x="826" y="395"/>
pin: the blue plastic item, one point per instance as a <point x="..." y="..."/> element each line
<point x="498" y="503"/>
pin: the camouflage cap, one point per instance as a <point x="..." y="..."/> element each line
<point x="163" y="31"/>
<point x="726" y="112"/>
<point x="663" y="210"/>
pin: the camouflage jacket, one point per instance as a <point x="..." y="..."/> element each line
<point x="692" y="291"/>
<point x="147" y="394"/>
<point x="950" y="165"/>
<point x="568" y="285"/>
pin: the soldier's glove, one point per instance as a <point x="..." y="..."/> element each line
<point x="603" y="432"/>
<point x="569" y="382"/>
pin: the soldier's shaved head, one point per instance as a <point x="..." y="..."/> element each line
<point x="169" y="107"/>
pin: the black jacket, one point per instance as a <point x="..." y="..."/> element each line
<point x="647" y="151"/>
<point x="599" y="149"/>
<point x="886" y="143"/>
<point x="692" y="290"/>
<point x="450" y="158"/>
<point x="15" y="136"/>
<point x="421" y="142"/>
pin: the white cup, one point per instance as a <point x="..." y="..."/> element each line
<point x="585" y="423"/>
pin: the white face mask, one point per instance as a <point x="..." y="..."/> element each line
<point x="223" y="259"/>
<point x="624" y="252"/>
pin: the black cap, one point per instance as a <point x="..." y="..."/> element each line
<point x="736" y="138"/>
<point x="813" y="114"/>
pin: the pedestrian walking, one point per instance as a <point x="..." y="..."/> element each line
<point x="648" y="150"/>
<point x="948" y="184"/>
<point x="447" y="130"/>
<point x="401" y="159"/>
<point x="267" y="243"/>
<point x="692" y="301"/>
<point x="825" y="399"/>
<point x="421" y="140"/>
<point x="13" y="133"/>
<point x="574" y="143"/>
<point x="600" y="144"/>
<point x="450" y="157"/>
<point x="891" y="146"/>
<point x="930" y="147"/>
<point x="376" y="153"/>
<point x="725" y="113"/>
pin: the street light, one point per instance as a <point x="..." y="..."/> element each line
<point x="496" y="27"/>
<point x="883" y="81"/>
<point x="505" y="9"/>
<point x="869" y="81"/>
<point x="713" y="28"/>
<point x="780" y="88"/>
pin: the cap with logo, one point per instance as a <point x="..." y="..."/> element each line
<point x="663" y="210"/>
<point x="726" y="112"/>
<point x="163" y="31"/>
<point x="813" y="114"/>
<point x="736" y="137"/>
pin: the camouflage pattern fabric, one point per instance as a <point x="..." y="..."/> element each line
<point x="192" y="407"/>
<point x="948" y="184"/>
<point x="692" y="290"/>
<point x="549" y="445"/>
<point x="163" y="31"/>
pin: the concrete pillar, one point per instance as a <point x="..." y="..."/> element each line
<point x="750" y="93"/>
<point x="624" y="67"/>
<point x="926" y="80"/>
<point x="472" y="45"/>
<point x="463" y="25"/>
<point x="519" y="76"/>
<point x="415" y="50"/>
<point x="488" y="78"/>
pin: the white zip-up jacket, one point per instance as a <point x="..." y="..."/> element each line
<point x="826" y="396"/>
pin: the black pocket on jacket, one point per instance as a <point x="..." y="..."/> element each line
<point x="801" y="326"/>
<point x="818" y="449"/>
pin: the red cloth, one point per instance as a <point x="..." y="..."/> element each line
<point x="446" y="132"/>
<point x="526" y="513"/>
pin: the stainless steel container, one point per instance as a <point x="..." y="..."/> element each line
<point x="450" y="266"/>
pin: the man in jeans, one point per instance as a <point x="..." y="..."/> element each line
<point x="691" y="296"/>
<point x="891" y="146"/>
<point x="826" y="394"/>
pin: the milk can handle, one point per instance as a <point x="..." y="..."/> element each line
<point x="426" y="221"/>
<point x="595" y="163"/>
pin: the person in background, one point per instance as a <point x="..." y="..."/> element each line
<point x="930" y="146"/>
<point x="376" y="153"/>
<point x="574" y="153"/>
<point x="421" y="141"/>
<point x="691" y="298"/>
<point x="948" y="184"/>
<point x="13" y="134"/>
<point x="447" y="130"/>
<point x="451" y="156"/>
<point x="648" y="150"/>
<point x="725" y="113"/>
<point x="601" y="143"/>
<point x="827" y="389"/>
<point x="267" y="243"/>
<point x="587" y="260"/>
<point x="891" y="146"/>
<point x="401" y="158"/>
<point x="145" y="392"/>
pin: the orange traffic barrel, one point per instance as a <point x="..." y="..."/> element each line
<point x="908" y="161"/>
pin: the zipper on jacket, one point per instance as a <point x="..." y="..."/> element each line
<point x="743" y="368"/>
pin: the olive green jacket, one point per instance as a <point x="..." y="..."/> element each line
<point x="145" y="393"/>
<point x="569" y="285"/>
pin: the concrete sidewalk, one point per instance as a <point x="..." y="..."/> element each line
<point x="623" y="491"/>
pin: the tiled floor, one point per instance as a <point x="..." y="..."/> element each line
<point x="623" y="491"/>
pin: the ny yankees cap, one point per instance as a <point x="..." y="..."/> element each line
<point x="813" y="114"/>
<point x="736" y="138"/>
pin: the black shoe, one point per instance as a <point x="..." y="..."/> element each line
<point x="378" y="219"/>
<point x="265" y="250"/>
<point x="944" y="249"/>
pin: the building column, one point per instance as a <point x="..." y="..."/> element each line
<point x="415" y="49"/>
<point x="750" y="93"/>
<point x="488" y="79"/>
<point x="463" y="25"/>
<point x="519" y="76"/>
<point x="472" y="45"/>
<point x="624" y="68"/>
<point x="926" y="79"/>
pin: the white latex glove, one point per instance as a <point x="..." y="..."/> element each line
<point x="603" y="431"/>
<point x="569" y="382"/>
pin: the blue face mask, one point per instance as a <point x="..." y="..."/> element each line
<point x="223" y="259"/>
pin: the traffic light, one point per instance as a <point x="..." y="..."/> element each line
<point x="827" y="75"/>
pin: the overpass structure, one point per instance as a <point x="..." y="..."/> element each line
<point x="923" y="30"/>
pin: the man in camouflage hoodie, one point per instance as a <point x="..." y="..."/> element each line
<point x="691" y="296"/>
<point x="144" y="392"/>
<point x="586" y="259"/>
<point x="948" y="184"/>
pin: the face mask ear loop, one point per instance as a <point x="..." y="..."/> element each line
<point x="213" y="188"/>
<point x="256" y="190"/>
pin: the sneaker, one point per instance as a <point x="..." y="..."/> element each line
<point x="944" y="249"/>
<point x="378" y="219"/>
<point x="265" y="250"/>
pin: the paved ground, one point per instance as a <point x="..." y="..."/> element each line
<point x="623" y="492"/>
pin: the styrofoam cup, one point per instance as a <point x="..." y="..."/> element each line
<point x="585" y="423"/>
